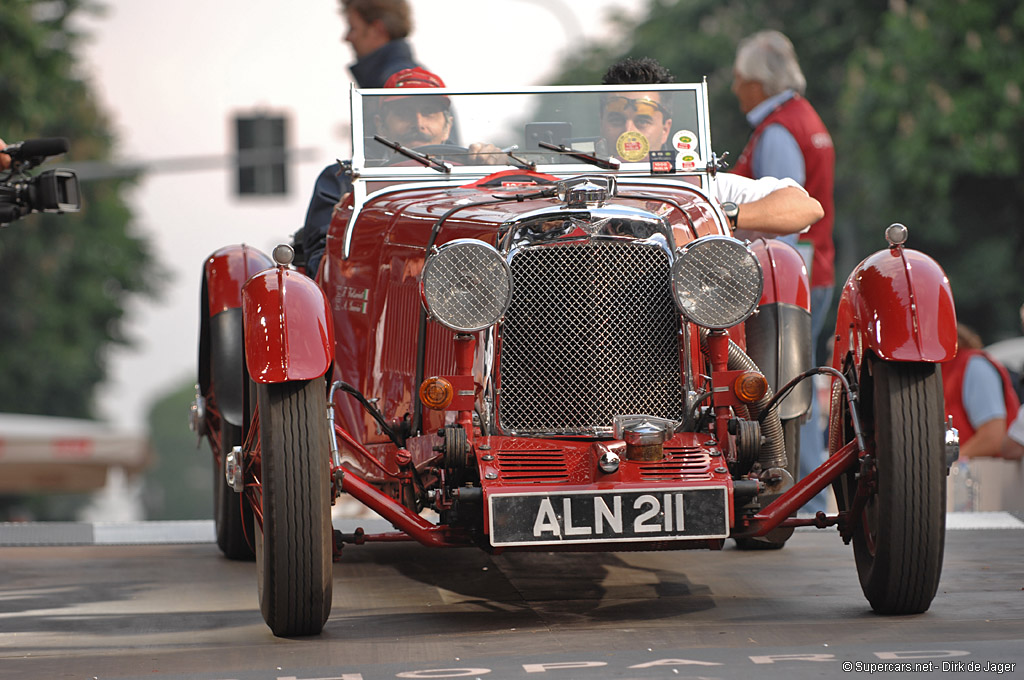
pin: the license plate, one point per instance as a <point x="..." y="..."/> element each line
<point x="541" y="518"/>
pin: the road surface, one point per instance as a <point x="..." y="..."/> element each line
<point x="133" y="602"/>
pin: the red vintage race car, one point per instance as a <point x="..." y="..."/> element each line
<point x="561" y="347"/>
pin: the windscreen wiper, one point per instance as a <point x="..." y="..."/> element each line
<point x="603" y="163"/>
<point x="422" y="158"/>
<point x="520" y="163"/>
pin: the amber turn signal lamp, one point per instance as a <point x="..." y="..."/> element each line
<point x="436" y="393"/>
<point x="750" y="386"/>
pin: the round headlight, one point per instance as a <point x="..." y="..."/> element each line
<point x="716" y="281"/>
<point x="466" y="285"/>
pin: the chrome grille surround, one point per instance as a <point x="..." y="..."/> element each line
<point x="591" y="332"/>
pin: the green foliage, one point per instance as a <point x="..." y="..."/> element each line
<point x="942" y="87"/>
<point x="65" y="278"/>
<point x="924" y="103"/>
<point x="179" y="483"/>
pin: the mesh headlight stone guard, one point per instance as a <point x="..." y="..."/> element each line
<point x="716" y="281"/>
<point x="466" y="285"/>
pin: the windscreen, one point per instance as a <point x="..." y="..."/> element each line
<point x="646" y="129"/>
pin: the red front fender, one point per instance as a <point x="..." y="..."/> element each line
<point x="898" y="304"/>
<point x="288" y="330"/>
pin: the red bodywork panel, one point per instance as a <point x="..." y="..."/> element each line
<point x="374" y="294"/>
<point x="364" y="316"/>
<point x="288" y="334"/>
<point x="227" y="270"/>
<point x="897" y="303"/>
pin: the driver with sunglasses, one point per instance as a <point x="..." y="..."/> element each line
<point x="634" y="123"/>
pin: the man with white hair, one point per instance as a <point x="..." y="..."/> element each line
<point x="789" y="140"/>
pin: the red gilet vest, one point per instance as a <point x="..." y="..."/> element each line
<point x="802" y="121"/>
<point x="953" y="389"/>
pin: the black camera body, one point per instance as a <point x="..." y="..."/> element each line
<point x="52" y="191"/>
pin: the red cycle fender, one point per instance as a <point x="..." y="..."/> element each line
<point x="897" y="303"/>
<point x="226" y="271"/>
<point x="288" y="329"/>
<point x="785" y="273"/>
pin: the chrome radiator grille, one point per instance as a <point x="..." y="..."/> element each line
<point x="592" y="332"/>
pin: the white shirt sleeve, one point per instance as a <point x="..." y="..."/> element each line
<point x="730" y="188"/>
<point x="727" y="187"/>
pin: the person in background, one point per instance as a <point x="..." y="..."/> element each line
<point x="377" y="32"/>
<point x="789" y="140"/>
<point x="978" y="396"/>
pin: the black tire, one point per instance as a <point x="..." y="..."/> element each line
<point x="294" y="549"/>
<point x="776" y="539"/>
<point x="232" y="515"/>
<point x="899" y="543"/>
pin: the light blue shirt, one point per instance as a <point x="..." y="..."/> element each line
<point x="777" y="153"/>
<point x="982" y="392"/>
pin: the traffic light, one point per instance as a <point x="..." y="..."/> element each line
<point x="261" y="145"/>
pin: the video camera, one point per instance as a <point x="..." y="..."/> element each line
<point x="52" y="191"/>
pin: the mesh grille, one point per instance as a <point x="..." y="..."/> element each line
<point x="591" y="332"/>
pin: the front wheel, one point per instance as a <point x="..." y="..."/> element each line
<point x="899" y="543"/>
<point x="294" y="549"/>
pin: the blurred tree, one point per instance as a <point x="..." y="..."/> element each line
<point x="178" y="484"/>
<point x="937" y="103"/>
<point x="64" y="279"/>
<point x="923" y="101"/>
